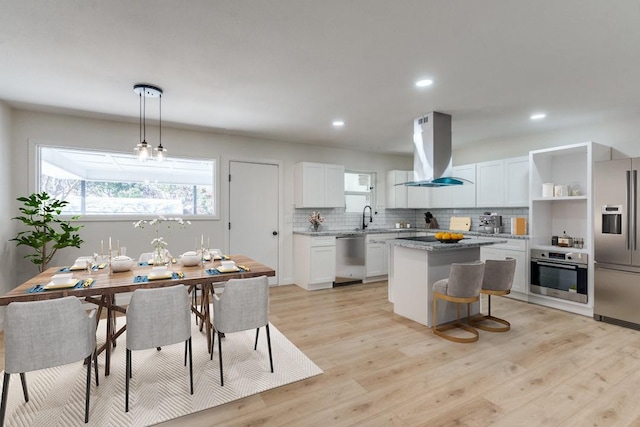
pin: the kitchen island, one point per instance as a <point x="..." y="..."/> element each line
<point x="415" y="265"/>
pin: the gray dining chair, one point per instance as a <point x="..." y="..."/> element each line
<point x="243" y="305"/>
<point x="45" y="334"/>
<point x="497" y="281"/>
<point x="156" y="318"/>
<point x="461" y="287"/>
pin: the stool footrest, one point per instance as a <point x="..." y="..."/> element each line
<point x="439" y="330"/>
<point x="480" y="323"/>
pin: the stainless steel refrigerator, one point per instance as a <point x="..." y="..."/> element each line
<point x="617" y="254"/>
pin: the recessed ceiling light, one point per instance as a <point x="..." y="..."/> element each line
<point x="424" y="83"/>
<point x="538" y="116"/>
<point x="338" y="123"/>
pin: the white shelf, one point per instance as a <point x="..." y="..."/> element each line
<point x="554" y="199"/>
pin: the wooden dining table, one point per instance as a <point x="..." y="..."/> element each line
<point x="106" y="285"/>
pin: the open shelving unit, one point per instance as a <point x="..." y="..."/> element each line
<point x="551" y="216"/>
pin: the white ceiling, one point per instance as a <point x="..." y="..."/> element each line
<point x="285" y="69"/>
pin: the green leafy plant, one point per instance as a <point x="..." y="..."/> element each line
<point x="46" y="231"/>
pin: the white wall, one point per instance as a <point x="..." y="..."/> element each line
<point x="119" y="136"/>
<point x="620" y="133"/>
<point x="7" y="206"/>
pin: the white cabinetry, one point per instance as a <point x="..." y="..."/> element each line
<point x="464" y="196"/>
<point x="377" y="254"/>
<point x="516" y="181"/>
<point x="489" y="185"/>
<point x="314" y="261"/>
<point x="396" y="194"/>
<point x="318" y="185"/>
<point x="550" y="216"/>
<point x="517" y="249"/>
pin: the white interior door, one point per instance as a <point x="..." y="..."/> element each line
<point x="253" y="212"/>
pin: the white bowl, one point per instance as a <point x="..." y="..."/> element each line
<point x="121" y="263"/>
<point x="61" y="279"/>
<point x="190" y="259"/>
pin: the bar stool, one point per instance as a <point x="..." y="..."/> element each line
<point x="462" y="287"/>
<point x="498" y="279"/>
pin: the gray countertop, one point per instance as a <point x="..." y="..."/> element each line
<point x="437" y="246"/>
<point x="404" y="230"/>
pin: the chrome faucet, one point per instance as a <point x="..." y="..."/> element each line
<point x="364" y="224"/>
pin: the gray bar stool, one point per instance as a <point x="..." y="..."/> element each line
<point x="462" y="287"/>
<point x="498" y="279"/>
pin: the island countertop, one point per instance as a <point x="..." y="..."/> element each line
<point x="441" y="247"/>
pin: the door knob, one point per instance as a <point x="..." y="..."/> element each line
<point x="275" y="233"/>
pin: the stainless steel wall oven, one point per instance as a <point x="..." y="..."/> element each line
<point x="559" y="274"/>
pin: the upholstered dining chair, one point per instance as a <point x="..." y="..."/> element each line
<point x="243" y="305"/>
<point x="498" y="279"/>
<point x="45" y="334"/>
<point x="156" y="318"/>
<point x="461" y="287"/>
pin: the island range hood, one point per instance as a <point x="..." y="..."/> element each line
<point x="432" y="152"/>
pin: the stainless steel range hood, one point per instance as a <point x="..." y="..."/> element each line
<point x="432" y="152"/>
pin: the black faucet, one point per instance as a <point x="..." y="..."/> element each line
<point x="364" y="224"/>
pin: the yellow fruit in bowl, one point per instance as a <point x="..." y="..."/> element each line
<point x="446" y="236"/>
<point x="439" y="235"/>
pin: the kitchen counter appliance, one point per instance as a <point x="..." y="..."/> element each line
<point x="350" y="260"/>
<point x="559" y="274"/>
<point x="491" y="223"/>
<point x="617" y="257"/>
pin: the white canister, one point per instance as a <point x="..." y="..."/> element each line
<point x="547" y="189"/>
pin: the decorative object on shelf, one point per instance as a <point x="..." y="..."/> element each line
<point x="143" y="150"/>
<point x="158" y="243"/>
<point x="316" y="219"/>
<point x="47" y="232"/>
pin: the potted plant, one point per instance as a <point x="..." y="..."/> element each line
<point x="46" y="231"/>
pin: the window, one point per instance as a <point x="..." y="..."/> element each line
<point x="107" y="183"/>
<point x="358" y="190"/>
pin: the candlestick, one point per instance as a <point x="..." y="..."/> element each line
<point x="101" y="247"/>
<point x="110" y="248"/>
<point x="202" y="241"/>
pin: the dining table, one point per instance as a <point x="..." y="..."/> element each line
<point x="100" y="286"/>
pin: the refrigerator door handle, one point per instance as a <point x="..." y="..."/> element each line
<point x="629" y="209"/>
<point x="634" y="206"/>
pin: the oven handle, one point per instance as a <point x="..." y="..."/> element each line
<point x="549" y="264"/>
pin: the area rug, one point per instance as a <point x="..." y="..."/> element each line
<point x="160" y="384"/>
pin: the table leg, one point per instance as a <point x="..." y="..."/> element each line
<point x="108" y="343"/>
<point x="206" y="320"/>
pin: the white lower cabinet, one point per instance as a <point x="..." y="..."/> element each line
<point x="377" y="255"/>
<point x="517" y="249"/>
<point x="314" y="261"/>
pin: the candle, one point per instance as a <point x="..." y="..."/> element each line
<point x="110" y="245"/>
<point x="118" y="247"/>
<point x="101" y="247"/>
<point x="202" y="241"/>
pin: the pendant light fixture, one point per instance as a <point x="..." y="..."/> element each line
<point x="143" y="150"/>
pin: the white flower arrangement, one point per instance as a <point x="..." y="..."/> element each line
<point x="316" y="219"/>
<point x="158" y="242"/>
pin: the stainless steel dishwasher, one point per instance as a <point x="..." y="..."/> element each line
<point x="349" y="260"/>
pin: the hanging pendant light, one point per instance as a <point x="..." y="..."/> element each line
<point x="143" y="150"/>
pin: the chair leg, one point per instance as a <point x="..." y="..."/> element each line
<point x="477" y="322"/>
<point x="88" y="390"/>
<point x="194" y="302"/>
<point x="255" y="346"/>
<point x="158" y="348"/>
<point x="269" y="345"/>
<point x="25" y="391"/>
<point x="185" y="353"/>
<point x="5" y="393"/>
<point x="220" y="359"/>
<point x="95" y="363"/>
<point x="190" y="364"/>
<point x="128" y="376"/>
<point x="457" y="324"/>
<point x="213" y="340"/>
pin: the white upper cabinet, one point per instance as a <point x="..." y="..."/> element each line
<point x="318" y="185"/>
<point x="489" y="185"/>
<point x="396" y="194"/>
<point x="464" y="196"/>
<point x="516" y="181"/>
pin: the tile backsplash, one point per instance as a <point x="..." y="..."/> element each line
<point x="338" y="219"/>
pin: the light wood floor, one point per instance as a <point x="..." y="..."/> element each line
<point x="553" y="368"/>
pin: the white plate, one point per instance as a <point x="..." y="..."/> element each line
<point x="222" y="269"/>
<point x="70" y="284"/>
<point x="166" y="275"/>
<point x="76" y="267"/>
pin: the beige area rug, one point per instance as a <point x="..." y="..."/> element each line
<point x="160" y="384"/>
